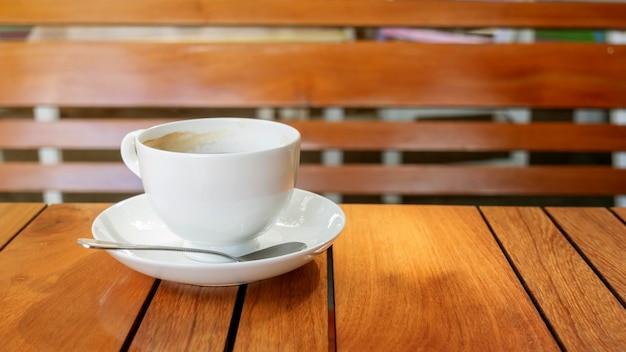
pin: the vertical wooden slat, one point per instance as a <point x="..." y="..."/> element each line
<point x="435" y="280"/>
<point x="584" y="314"/>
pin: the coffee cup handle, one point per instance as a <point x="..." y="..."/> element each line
<point x="128" y="150"/>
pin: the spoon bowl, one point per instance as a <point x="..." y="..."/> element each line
<point x="265" y="253"/>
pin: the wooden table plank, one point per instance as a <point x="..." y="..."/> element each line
<point x="186" y="318"/>
<point x="288" y="312"/>
<point x="621" y="212"/>
<point x="428" y="278"/>
<point x="584" y="314"/>
<point x="601" y="237"/>
<point x="14" y="216"/>
<point x="55" y="295"/>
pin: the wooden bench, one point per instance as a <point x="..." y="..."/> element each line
<point x="361" y="75"/>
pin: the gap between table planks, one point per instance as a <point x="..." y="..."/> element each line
<point x="601" y="237"/>
<point x="96" y="298"/>
<point x="186" y="318"/>
<point x="447" y="287"/>
<point x="14" y="216"/>
<point x="287" y="312"/>
<point x="581" y="310"/>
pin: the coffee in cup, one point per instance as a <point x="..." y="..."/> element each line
<point x="216" y="182"/>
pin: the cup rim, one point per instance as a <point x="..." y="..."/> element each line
<point x="295" y="139"/>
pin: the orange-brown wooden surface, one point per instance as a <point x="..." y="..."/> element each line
<point x="55" y="295"/>
<point x="85" y="177"/>
<point x="406" y="277"/>
<point x="312" y="74"/>
<point x="13" y="217"/>
<point x="106" y="133"/>
<point x="428" y="278"/>
<point x="361" y="73"/>
<point x="288" y="312"/>
<point x="186" y="318"/>
<point x="584" y="314"/>
<point x="315" y="12"/>
<point x="463" y="180"/>
<point x="350" y="179"/>
<point x="77" y="133"/>
<point x="601" y="237"/>
<point x="445" y="136"/>
<point x="621" y="212"/>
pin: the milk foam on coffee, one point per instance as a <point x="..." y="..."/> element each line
<point x="192" y="142"/>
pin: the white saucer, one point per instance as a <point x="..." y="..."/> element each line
<point x="309" y="218"/>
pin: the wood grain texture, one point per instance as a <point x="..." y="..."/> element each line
<point x="601" y="237"/>
<point x="428" y="278"/>
<point x="312" y="74"/>
<point x="70" y="134"/>
<point x="186" y="318"/>
<point x="462" y="180"/>
<point x="14" y="216"/>
<point x="444" y="136"/>
<point x="288" y="312"/>
<point x="110" y="177"/>
<point x="621" y="212"/>
<point x="55" y="294"/>
<point x="298" y="74"/>
<point x="78" y="177"/>
<point x="316" y="12"/>
<point x="106" y="133"/>
<point x="584" y="314"/>
<point x="96" y="134"/>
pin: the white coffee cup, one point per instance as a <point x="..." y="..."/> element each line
<point x="216" y="182"/>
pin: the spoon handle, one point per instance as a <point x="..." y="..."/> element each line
<point x="99" y="244"/>
<point x="265" y="253"/>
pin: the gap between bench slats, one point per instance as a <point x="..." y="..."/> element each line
<point x="312" y="74"/>
<point x="316" y="12"/>
<point x="347" y="179"/>
<point x="348" y="135"/>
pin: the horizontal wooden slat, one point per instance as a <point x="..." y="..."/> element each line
<point x="349" y="179"/>
<point x="85" y="134"/>
<point x="251" y="75"/>
<point x="463" y="180"/>
<point x="316" y="12"/>
<point x="87" y="177"/>
<point x="347" y="135"/>
<point x="461" y="136"/>
<point x="312" y="74"/>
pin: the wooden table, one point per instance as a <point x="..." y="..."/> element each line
<point x="398" y="278"/>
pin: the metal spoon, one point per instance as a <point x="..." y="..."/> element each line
<point x="269" y="252"/>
